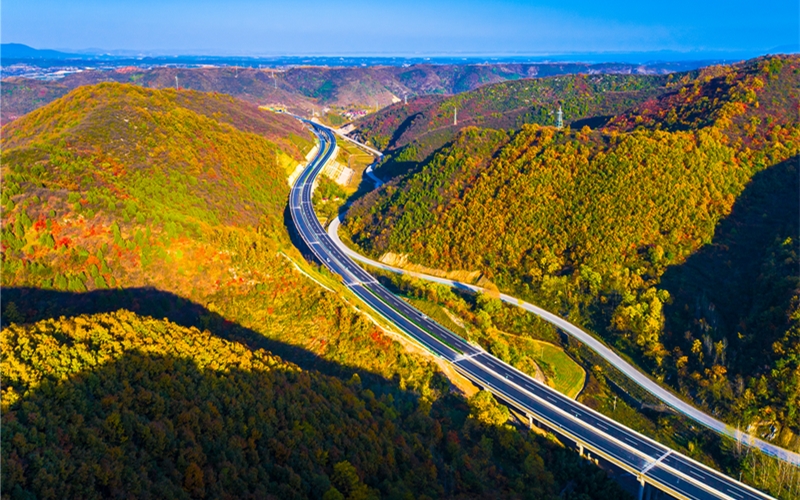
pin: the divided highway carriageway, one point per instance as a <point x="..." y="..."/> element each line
<point x="655" y="465"/>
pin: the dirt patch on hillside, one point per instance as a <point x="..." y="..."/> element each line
<point x="401" y="261"/>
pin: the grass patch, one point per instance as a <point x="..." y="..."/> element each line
<point x="355" y="158"/>
<point x="566" y="376"/>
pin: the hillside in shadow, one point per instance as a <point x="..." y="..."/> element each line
<point x="113" y="405"/>
<point x="30" y="305"/>
<point x="733" y="295"/>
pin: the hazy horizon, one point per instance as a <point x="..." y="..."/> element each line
<point x="416" y="29"/>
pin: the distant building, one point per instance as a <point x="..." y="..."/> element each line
<point x="354" y="113"/>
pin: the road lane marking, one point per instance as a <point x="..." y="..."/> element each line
<point x="655" y="462"/>
<point x="463" y="357"/>
<point x="697" y="474"/>
<point x="734" y="493"/>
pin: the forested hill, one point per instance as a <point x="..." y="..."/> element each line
<point x="409" y="133"/>
<point x="181" y="159"/>
<point x="158" y="340"/>
<point x="754" y="97"/>
<point x="587" y="223"/>
<point x="116" y="405"/>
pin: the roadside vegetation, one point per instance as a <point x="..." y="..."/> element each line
<point x="479" y="319"/>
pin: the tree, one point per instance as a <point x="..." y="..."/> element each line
<point x="486" y="410"/>
<point x="193" y="481"/>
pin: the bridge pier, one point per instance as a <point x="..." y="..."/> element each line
<point x="646" y="491"/>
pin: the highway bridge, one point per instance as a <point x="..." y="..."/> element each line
<point x="595" y="435"/>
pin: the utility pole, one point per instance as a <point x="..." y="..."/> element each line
<point x="560" y="118"/>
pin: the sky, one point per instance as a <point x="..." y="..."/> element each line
<point x="267" y="27"/>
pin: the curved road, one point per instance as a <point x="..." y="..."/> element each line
<point x="594" y="434"/>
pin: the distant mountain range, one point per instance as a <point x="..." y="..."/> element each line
<point x="33" y="77"/>
<point x="17" y="52"/>
<point x="301" y="89"/>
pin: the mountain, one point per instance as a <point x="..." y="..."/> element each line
<point x="672" y="231"/>
<point x="20" y="51"/>
<point x="409" y="133"/>
<point x="161" y="337"/>
<point x="23" y="95"/>
<point x="20" y="98"/>
<point x="744" y="100"/>
<point x="175" y="195"/>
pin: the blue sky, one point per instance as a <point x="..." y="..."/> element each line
<point x="434" y="26"/>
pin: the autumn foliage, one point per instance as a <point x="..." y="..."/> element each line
<point x="587" y="222"/>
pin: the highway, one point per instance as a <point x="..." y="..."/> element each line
<point x="594" y="434"/>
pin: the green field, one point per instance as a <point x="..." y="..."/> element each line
<point x="562" y="372"/>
